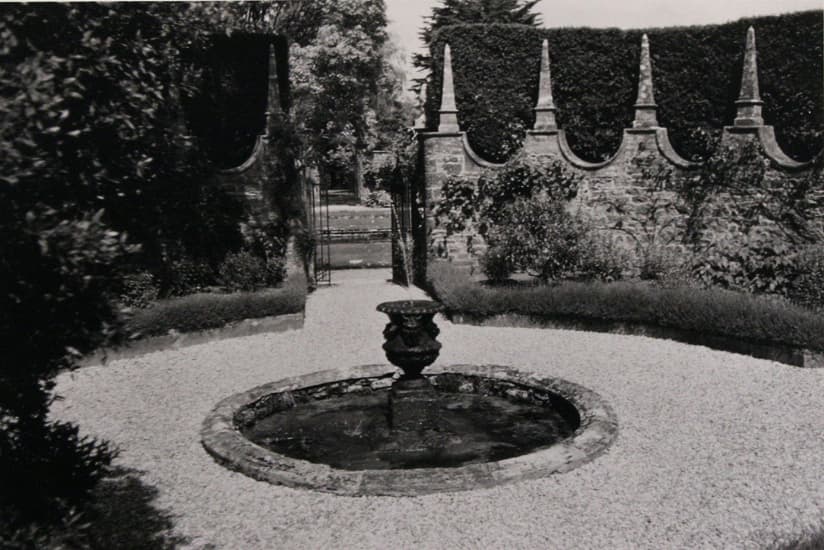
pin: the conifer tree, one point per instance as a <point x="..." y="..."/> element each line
<point x="457" y="12"/>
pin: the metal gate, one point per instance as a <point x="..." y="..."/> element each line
<point x="317" y="210"/>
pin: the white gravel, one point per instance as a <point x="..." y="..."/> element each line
<point x="714" y="450"/>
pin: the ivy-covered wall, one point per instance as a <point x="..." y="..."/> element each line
<point x="696" y="73"/>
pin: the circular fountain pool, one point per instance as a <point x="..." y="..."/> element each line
<point x="475" y="426"/>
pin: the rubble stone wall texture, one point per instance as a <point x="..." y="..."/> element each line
<point x="614" y="196"/>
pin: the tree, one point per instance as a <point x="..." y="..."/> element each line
<point x="334" y="80"/>
<point x="393" y="110"/>
<point x="93" y="159"/>
<point x="455" y="12"/>
<point x="92" y="120"/>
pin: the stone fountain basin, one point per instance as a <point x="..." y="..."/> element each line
<point x="222" y="435"/>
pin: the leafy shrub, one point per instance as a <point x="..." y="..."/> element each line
<point x="658" y="263"/>
<point x="59" y="281"/>
<point x="538" y="236"/>
<point x="140" y="290"/>
<point x="381" y="177"/>
<point x="266" y="239"/>
<point x="755" y="267"/>
<point x="120" y="514"/>
<point x="710" y="311"/>
<point x="519" y="210"/>
<point x="211" y="310"/>
<point x="807" y="287"/>
<point x="185" y="276"/>
<point x="91" y="110"/>
<point x="495" y="264"/>
<point x="60" y="468"/>
<point x="600" y="259"/>
<point x="459" y="204"/>
<point x="243" y="271"/>
<point x="524" y="176"/>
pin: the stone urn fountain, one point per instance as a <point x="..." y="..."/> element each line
<point x="362" y="430"/>
<point x="411" y="345"/>
<point x="410" y="335"/>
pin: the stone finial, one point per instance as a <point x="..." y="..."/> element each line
<point x="645" y="106"/>
<point x="749" y="100"/>
<point x="545" y="107"/>
<point x="448" y="110"/>
<point x="273" y="104"/>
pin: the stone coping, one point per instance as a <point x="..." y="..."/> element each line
<point x="781" y="353"/>
<point x="176" y="340"/>
<point x="221" y="438"/>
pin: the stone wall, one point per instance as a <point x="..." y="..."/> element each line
<point x="251" y="178"/>
<point x="614" y="196"/>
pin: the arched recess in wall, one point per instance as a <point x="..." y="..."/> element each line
<point x="227" y="114"/>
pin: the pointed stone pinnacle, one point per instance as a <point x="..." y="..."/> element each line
<point x="448" y="110"/>
<point x="645" y="107"/>
<point x="749" y="99"/>
<point x="545" y="107"/>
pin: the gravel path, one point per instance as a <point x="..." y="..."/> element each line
<point x="715" y="450"/>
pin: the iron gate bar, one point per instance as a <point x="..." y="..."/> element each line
<point x="317" y="217"/>
<point x="322" y="235"/>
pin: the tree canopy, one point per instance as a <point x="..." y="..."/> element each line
<point x="457" y="12"/>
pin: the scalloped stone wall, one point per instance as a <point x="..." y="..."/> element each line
<point x="613" y="195"/>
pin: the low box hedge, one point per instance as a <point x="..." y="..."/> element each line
<point x="712" y="311"/>
<point x="208" y="310"/>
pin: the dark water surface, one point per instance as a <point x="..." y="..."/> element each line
<point x="352" y="432"/>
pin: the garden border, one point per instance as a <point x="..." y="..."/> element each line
<point x="781" y="353"/>
<point x="176" y="340"/>
<point x="221" y="439"/>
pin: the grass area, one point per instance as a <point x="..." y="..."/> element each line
<point x="712" y="311"/>
<point x="207" y="310"/>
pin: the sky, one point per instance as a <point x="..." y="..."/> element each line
<point x="406" y="16"/>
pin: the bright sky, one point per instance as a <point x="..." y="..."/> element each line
<point x="406" y="16"/>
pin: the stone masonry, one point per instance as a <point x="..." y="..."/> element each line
<point x="610" y="191"/>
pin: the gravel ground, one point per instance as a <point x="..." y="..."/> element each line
<point x="714" y="450"/>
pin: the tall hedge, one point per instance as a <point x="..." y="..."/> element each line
<point x="696" y="73"/>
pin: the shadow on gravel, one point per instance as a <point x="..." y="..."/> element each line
<point x="123" y="515"/>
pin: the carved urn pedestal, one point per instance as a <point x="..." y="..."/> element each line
<point x="411" y="345"/>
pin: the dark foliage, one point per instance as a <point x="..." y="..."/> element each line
<point x="208" y="310"/>
<point x="244" y="272"/>
<point x="92" y="152"/>
<point x="711" y="311"/>
<point x="120" y="514"/>
<point x="519" y="211"/>
<point x="227" y="111"/>
<point x="696" y="72"/>
<point x="58" y="280"/>
<point x="806" y="287"/>
<point x="465" y="12"/>
<point x="92" y="120"/>
<point x="139" y="290"/>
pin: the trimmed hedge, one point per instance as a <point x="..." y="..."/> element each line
<point x="712" y="311"/>
<point x="696" y="73"/>
<point x="204" y="310"/>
